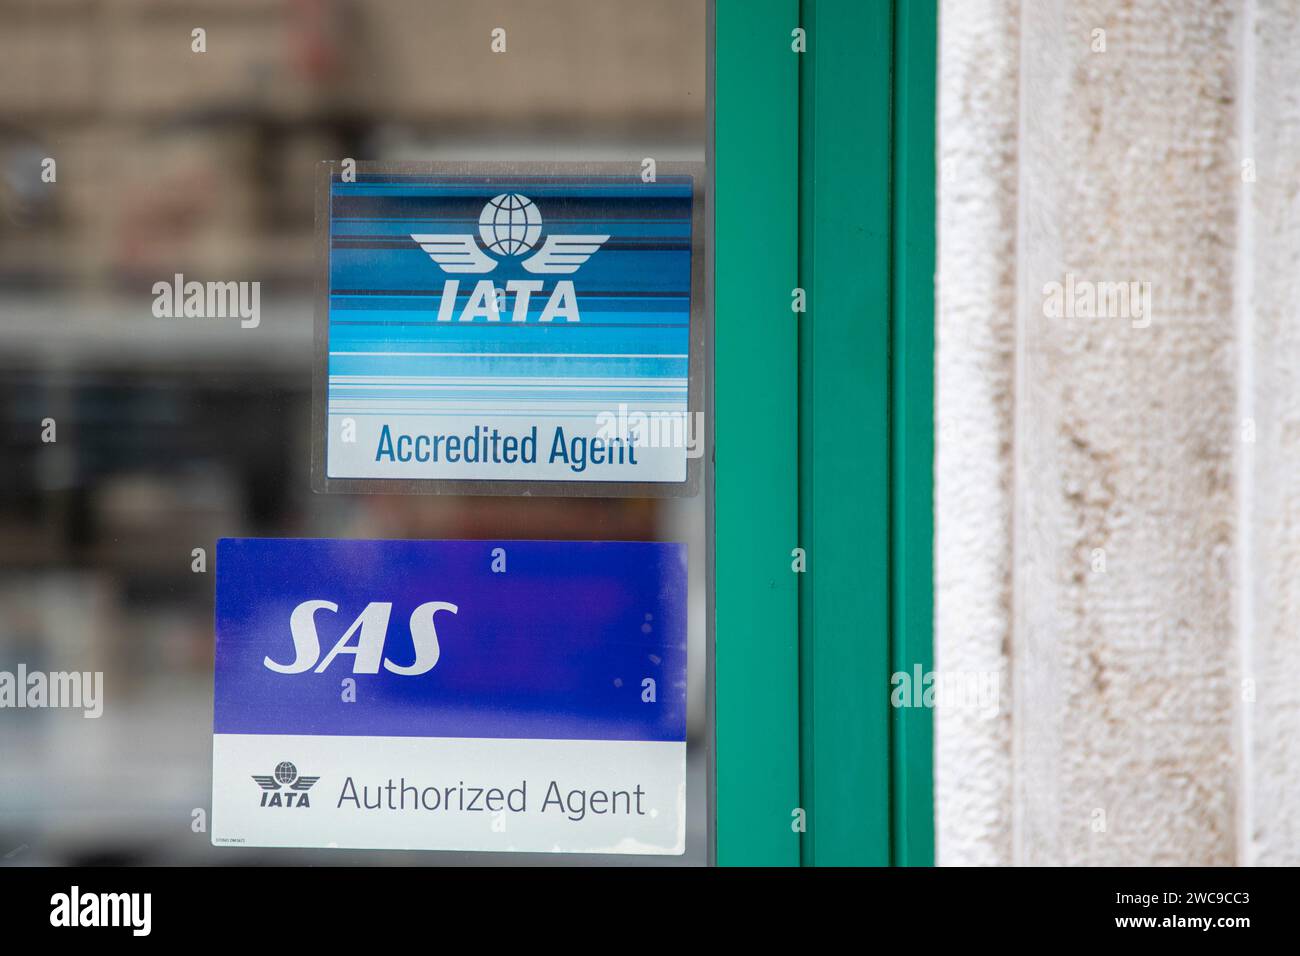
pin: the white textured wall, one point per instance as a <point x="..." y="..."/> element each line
<point x="1271" y="490"/>
<point x="1126" y="737"/>
<point x="974" y="349"/>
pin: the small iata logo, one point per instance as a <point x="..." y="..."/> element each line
<point x="285" y="776"/>
<point x="509" y="225"/>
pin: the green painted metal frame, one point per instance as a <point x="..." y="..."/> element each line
<point x="916" y="25"/>
<point x="756" y="710"/>
<point x="824" y="180"/>
<point x="844" y="255"/>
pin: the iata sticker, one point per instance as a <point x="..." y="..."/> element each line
<point x="495" y="329"/>
<point x="450" y="695"/>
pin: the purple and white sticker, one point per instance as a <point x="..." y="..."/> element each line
<point x="450" y="695"/>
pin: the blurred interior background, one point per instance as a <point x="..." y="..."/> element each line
<point x="172" y="433"/>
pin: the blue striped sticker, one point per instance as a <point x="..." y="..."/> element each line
<point x="534" y="328"/>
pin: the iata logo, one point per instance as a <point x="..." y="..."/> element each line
<point x="285" y="776"/>
<point x="509" y="226"/>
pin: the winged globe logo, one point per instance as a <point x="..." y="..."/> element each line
<point x="509" y="226"/>
<point x="283" y="787"/>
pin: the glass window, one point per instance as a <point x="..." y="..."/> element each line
<point x="141" y="141"/>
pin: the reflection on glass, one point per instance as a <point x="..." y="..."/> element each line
<point x="133" y="152"/>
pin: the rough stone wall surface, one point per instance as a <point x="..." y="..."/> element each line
<point x="975" y="344"/>
<point x="1127" y="437"/>
<point x="1119" y="509"/>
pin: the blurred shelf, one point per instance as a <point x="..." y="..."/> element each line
<point x="52" y="332"/>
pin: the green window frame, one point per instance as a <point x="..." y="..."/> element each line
<point x="823" y="423"/>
